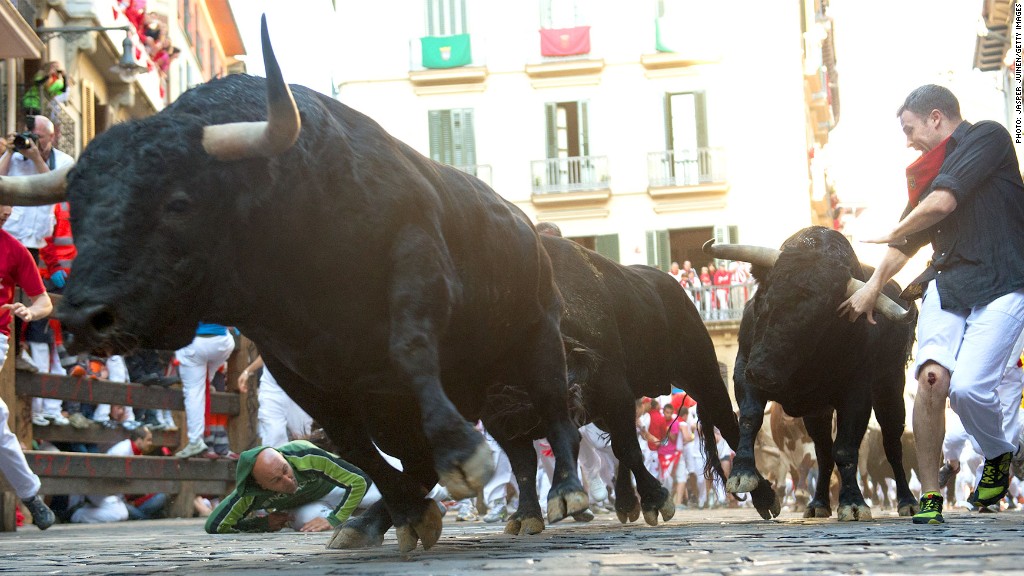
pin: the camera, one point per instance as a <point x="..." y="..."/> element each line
<point x="21" y="140"/>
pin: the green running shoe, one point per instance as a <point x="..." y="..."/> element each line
<point x="995" y="481"/>
<point x="931" y="509"/>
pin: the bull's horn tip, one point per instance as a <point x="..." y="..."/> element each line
<point x="707" y="245"/>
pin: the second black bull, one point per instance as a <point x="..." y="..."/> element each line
<point x="795" y="349"/>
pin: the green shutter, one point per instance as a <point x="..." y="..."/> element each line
<point x="669" y="137"/>
<point x="584" y="127"/>
<point x="551" y="133"/>
<point x="465" y="139"/>
<point x="607" y="245"/>
<point x="658" y="249"/>
<point x="700" y="106"/>
<point x="436" y="128"/>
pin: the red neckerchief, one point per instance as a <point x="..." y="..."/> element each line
<point x="923" y="171"/>
<point x="135" y="449"/>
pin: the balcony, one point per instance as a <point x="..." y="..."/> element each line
<point x="571" y="180"/>
<point x="721" y="303"/>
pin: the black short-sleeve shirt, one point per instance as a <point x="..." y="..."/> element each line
<point x="979" y="247"/>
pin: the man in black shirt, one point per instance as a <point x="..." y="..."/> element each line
<point x="967" y="200"/>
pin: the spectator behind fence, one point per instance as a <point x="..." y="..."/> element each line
<point x="102" y="508"/>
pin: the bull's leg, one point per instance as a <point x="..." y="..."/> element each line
<point x="819" y="427"/>
<point x="891" y="413"/>
<point x="745" y="477"/>
<point x="542" y="367"/>
<point x="627" y="505"/>
<point x="528" y="517"/>
<point x="852" y="424"/>
<point x="420" y="308"/>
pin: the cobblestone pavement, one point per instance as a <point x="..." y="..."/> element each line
<point x="733" y="542"/>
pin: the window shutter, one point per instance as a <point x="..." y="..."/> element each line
<point x="584" y="128"/>
<point x="88" y="114"/>
<point x="658" y="249"/>
<point x="725" y="235"/>
<point x="434" y="123"/>
<point x="669" y="140"/>
<point x="551" y="117"/>
<point x="607" y="245"/>
<point x="700" y="106"/>
<point x="468" y="139"/>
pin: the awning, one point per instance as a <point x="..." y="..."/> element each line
<point x="17" y="38"/>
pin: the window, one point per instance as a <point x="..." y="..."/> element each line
<point x="187" y="14"/>
<point x="561" y="13"/>
<point x="446" y="17"/>
<point x="686" y="139"/>
<point x="567" y="129"/>
<point x="452" y="140"/>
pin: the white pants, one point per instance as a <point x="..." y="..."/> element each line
<point x="974" y="345"/>
<point x="97" y="510"/>
<point x="47" y="363"/>
<point x="602" y="444"/>
<point x="199" y="362"/>
<point x="12" y="460"/>
<point x="494" y="490"/>
<point x="321" y="508"/>
<point x="279" y="415"/>
<point x="117" y="371"/>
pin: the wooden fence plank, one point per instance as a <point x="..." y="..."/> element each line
<point x="96" y="391"/>
<point x="100" y="435"/>
<point x="88" y="466"/>
<point x="134" y="486"/>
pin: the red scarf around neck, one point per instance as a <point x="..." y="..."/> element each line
<point x="923" y="171"/>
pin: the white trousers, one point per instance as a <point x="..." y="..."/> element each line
<point x="12" y="460"/>
<point x="47" y="363"/>
<point x="199" y="361"/>
<point x="279" y="415"/>
<point x="494" y="490"/>
<point x="975" y="346"/>
<point x="321" y="508"/>
<point x="100" y="510"/>
<point x="117" y="371"/>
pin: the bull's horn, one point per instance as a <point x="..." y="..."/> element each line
<point x="884" y="305"/>
<point x="758" y="255"/>
<point x="241" y="140"/>
<point x="37" y="190"/>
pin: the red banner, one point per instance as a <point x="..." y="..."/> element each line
<point x="565" y="41"/>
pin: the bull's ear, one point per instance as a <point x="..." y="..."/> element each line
<point x="240" y="140"/>
<point x="36" y="190"/>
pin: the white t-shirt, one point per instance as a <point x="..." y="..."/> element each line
<point x="32" y="224"/>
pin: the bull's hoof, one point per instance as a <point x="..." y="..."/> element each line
<point x="566" y="504"/>
<point x="427" y="530"/>
<point x="739" y="483"/>
<point x="524" y="526"/>
<point x="909" y="508"/>
<point x="854" y="512"/>
<point x="585" y="516"/>
<point x="668" y="510"/>
<point x="467" y="478"/>
<point x="765" y="501"/>
<point x="815" y="510"/>
<point x="347" y="537"/>
<point x="651" y="517"/>
<point x="628" y="515"/>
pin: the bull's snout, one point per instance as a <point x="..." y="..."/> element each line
<point x="90" y="327"/>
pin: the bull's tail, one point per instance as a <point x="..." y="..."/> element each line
<point x="706" y="429"/>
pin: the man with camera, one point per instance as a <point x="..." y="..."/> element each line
<point x="24" y="154"/>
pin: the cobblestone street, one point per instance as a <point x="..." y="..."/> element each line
<point x="694" y="542"/>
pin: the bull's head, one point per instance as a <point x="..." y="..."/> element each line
<point x="148" y="199"/>
<point x="794" y="313"/>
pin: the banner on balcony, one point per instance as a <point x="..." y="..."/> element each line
<point x="565" y="41"/>
<point x="668" y="34"/>
<point x="446" y="51"/>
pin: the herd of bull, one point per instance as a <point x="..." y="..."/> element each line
<point x="397" y="300"/>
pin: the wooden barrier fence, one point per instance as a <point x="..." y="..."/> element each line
<point x="88" y="473"/>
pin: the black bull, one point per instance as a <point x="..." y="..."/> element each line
<point x="795" y="349"/>
<point x="386" y="291"/>
<point x="630" y="331"/>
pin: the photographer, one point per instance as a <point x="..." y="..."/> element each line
<point x="25" y="154"/>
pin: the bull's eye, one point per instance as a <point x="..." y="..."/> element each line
<point x="178" y="204"/>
